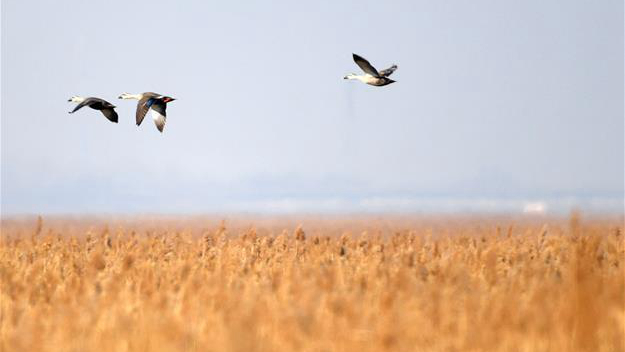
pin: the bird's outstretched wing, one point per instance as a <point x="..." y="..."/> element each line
<point x="110" y="114"/>
<point x="389" y="71"/>
<point x="84" y="103"/>
<point x="159" y="114"/>
<point x="365" y="65"/>
<point x="142" y="108"/>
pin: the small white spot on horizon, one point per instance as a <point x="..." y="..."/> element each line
<point x="535" y="208"/>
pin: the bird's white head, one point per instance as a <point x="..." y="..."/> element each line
<point x="351" y="76"/>
<point x="76" y="99"/>
<point x="130" y="96"/>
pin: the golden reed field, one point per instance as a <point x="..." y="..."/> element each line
<point x="331" y="284"/>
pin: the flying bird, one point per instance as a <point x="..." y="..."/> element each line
<point x="104" y="106"/>
<point x="150" y="101"/>
<point x="371" y="76"/>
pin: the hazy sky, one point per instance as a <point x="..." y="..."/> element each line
<point x="497" y="103"/>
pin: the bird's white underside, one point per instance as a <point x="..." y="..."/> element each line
<point x="366" y="78"/>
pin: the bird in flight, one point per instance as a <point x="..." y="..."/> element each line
<point x="150" y="101"/>
<point x="372" y="76"/>
<point x="104" y="106"/>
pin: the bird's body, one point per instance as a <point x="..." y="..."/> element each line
<point x="107" y="109"/>
<point x="371" y="76"/>
<point x="150" y="101"/>
<point x="371" y="80"/>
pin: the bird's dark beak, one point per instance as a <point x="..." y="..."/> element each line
<point x="69" y="100"/>
<point x="119" y="97"/>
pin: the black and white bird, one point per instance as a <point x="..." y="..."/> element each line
<point x="150" y="101"/>
<point x="371" y="76"/>
<point x="104" y="106"/>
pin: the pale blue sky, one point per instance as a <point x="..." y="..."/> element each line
<point x="497" y="103"/>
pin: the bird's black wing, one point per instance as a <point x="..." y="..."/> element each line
<point x="365" y="65"/>
<point x="99" y="104"/>
<point x="85" y="102"/>
<point x="110" y="114"/>
<point x="389" y="71"/>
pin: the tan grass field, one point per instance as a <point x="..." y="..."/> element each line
<point x="313" y="284"/>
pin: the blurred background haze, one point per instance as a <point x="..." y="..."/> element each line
<point x="498" y="106"/>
